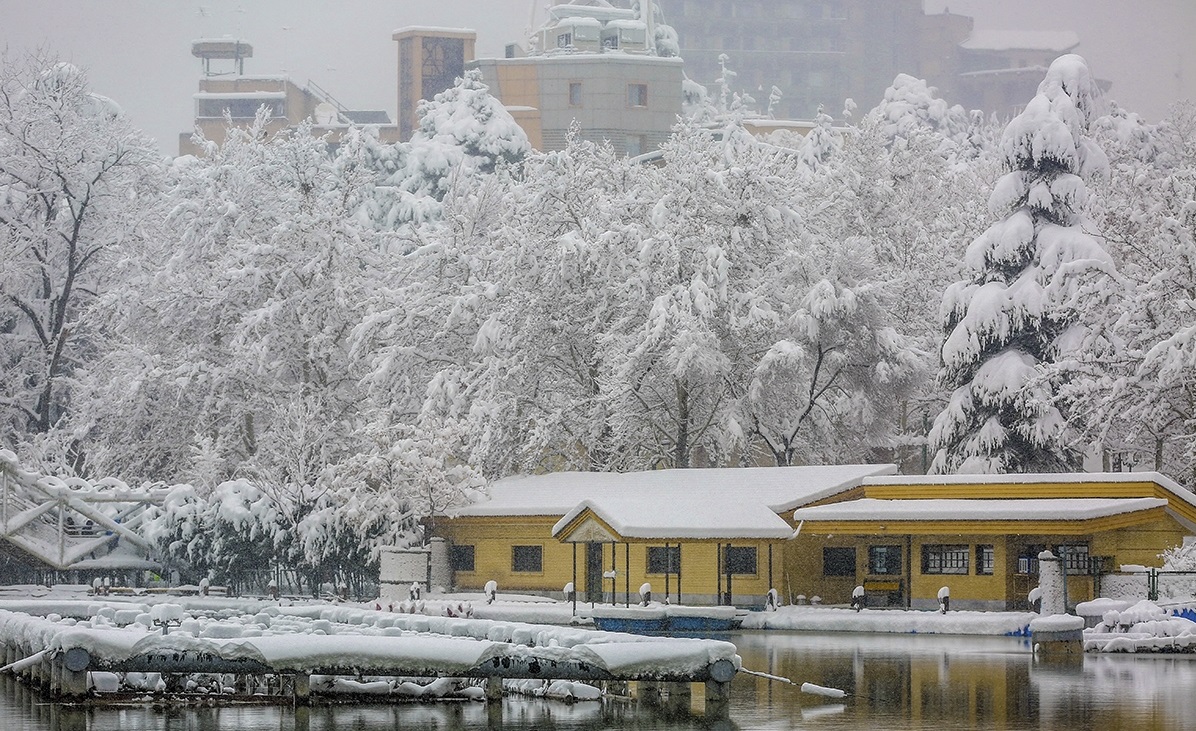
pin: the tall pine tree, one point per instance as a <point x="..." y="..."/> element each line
<point x="1033" y="272"/>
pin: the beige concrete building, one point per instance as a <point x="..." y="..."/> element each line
<point x="430" y="61"/>
<point x="596" y="66"/>
<point x="289" y="104"/>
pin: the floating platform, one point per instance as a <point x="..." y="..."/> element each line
<point x="300" y="642"/>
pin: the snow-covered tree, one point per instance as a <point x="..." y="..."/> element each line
<point x="462" y="131"/>
<point x="230" y="345"/>
<point x="1137" y="394"/>
<point x="77" y="182"/>
<point x="1035" y="273"/>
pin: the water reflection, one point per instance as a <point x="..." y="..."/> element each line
<point x="896" y="682"/>
<point x="919" y="681"/>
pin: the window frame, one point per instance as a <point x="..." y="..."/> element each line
<point x="891" y="567"/>
<point x="672" y="560"/>
<point x="515" y="559"/>
<point x="986" y="561"/>
<point x="457" y="551"/>
<point x="640" y="99"/>
<point x="575" y="99"/>
<point x="728" y="568"/>
<point x="843" y="551"/>
<point x="953" y="559"/>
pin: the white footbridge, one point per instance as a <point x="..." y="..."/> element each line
<point x="74" y="524"/>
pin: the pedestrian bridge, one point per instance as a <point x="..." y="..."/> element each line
<point x="47" y="523"/>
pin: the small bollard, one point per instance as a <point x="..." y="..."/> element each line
<point x="857" y="598"/>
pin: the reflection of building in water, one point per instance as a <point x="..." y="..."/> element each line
<point x="928" y="681"/>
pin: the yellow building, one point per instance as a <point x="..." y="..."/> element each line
<point x="903" y="538"/>
<point x="699" y="536"/>
<point x="727" y="536"/>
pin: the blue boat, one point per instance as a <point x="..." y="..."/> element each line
<point x="634" y="620"/>
<point x="666" y="619"/>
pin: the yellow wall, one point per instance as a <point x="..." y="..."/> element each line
<point x="493" y="537"/>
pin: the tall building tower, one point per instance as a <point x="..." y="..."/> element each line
<point x="430" y="61"/>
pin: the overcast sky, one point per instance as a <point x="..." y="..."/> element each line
<point x="138" y="51"/>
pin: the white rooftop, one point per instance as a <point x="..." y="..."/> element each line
<point x="632" y="517"/>
<point x="1058" y="41"/>
<point x="869" y="509"/>
<point x="776" y="488"/>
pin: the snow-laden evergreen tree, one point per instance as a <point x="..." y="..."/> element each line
<point x="821" y="143"/>
<point x="77" y="183"/>
<point x="462" y="131"/>
<point x="1034" y="274"/>
<point x="910" y="104"/>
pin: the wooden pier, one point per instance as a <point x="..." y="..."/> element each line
<point x="57" y="656"/>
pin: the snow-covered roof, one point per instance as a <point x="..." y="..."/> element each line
<point x="603" y="11"/>
<point x="433" y="29"/>
<point x="578" y="22"/>
<point x="633" y="517"/>
<point x="630" y="24"/>
<point x="239" y="95"/>
<point x="1038" y="478"/>
<point x="776" y="488"/>
<point x="1059" y="41"/>
<point x="871" y="509"/>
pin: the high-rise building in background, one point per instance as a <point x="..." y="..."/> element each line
<point x="822" y="52"/>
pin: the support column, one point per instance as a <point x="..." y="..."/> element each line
<point x="302" y="691"/>
<point x="718" y="687"/>
<point x="494" y="689"/>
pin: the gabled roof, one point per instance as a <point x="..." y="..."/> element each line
<point x="778" y="489"/>
<point x="631" y="518"/>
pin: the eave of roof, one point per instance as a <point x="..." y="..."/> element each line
<point x="980" y="516"/>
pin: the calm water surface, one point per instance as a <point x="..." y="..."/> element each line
<point x="897" y="682"/>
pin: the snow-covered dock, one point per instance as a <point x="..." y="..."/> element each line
<point x="58" y="653"/>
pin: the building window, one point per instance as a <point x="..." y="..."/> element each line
<point x="527" y="559"/>
<point x="461" y="558"/>
<point x="575" y="93"/>
<point x="884" y="560"/>
<point x="611" y="41"/>
<point x="637" y="95"/>
<point x="940" y="559"/>
<point x="984" y="560"/>
<point x="1077" y="557"/>
<point x="838" y="562"/>
<point x="740" y="560"/>
<point x="564" y="40"/>
<point x="664" y="559"/>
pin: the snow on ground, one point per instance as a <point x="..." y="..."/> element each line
<point x="832" y="619"/>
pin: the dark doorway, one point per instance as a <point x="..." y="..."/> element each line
<point x="593" y="572"/>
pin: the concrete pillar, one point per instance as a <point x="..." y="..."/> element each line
<point x="494" y="689"/>
<point x="302" y="690"/>
<point x="718" y="687"/>
<point x="72" y="683"/>
<point x="56" y="677"/>
<point x="647" y="692"/>
<point x="1050" y="583"/>
<point x="718" y="698"/>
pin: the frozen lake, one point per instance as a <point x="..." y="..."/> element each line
<point x="899" y="681"/>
